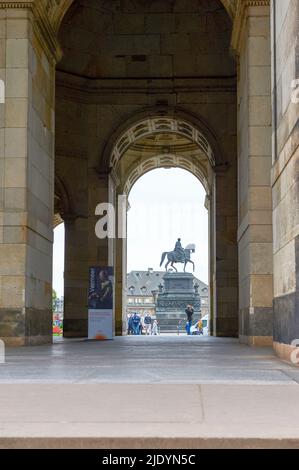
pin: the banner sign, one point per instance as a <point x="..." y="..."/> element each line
<point x="100" y="303"/>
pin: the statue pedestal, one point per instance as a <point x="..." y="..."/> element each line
<point x="178" y="292"/>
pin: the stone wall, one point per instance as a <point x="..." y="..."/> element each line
<point x="254" y="168"/>
<point x="169" y="38"/>
<point x="26" y="180"/>
<point x="285" y="174"/>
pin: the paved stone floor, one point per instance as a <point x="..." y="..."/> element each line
<point x="165" y="391"/>
<point x="147" y="359"/>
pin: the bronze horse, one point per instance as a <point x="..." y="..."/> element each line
<point x="173" y="259"/>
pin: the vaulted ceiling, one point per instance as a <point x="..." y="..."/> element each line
<point x="146" y="39"/>
<point x="56" y="9"/>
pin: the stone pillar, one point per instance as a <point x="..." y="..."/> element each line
<point x="120" y="286"/>
<point x="210" y="206"/>
<point x="75" y="278"/>
<point x="84" y="249"/>
<point x="285" y="174"/>
<point x="251" y="40"/>
<point x="225" y="286"/>
<point x="28" y="52"/>
<point x="120" y="275"/>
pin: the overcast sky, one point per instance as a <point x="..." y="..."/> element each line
<point x="166" y="204"/>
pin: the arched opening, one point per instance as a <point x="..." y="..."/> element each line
<point x="58" y="280"/>
<point x="172" y="141"/>
<point x="156" y="219"/>
<point x="62" y="213"/>
<point x="140" y="65"/>
<point x="145" y="85"/>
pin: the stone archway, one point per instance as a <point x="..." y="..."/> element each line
<point x="160" y="125"/>
<point x="165" y="161"/>
<point x="169" y="141"/>
<point x="163" y="137"/>
<point x="113" y="99"/>
<point x="62" y="202"/>
<point x="57" y="9"/>
<point x="97" y="91"/>
<point x="96" y="78"/>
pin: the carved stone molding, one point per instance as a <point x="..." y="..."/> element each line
<point x="166" y="161"/>
<point x="230" y="6"/>
<point x="170" y="305"/>
<point x="41" y="24"/>
<point x="240" y="17"/>
<point x="63" y="206"/>
<point x="156" y="125"/>
<point x="57" y="12"/>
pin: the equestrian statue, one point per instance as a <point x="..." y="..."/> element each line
<point x="179" y="255"/>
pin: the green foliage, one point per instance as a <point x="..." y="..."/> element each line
<point x="54" y="298"/>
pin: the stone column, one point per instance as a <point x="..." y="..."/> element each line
<point x="226" y="252"/>
<point x="28" y="52"/>
<point x="120" y="276"/>
<point x="75" y="277"/>
<point x="210" y="206"/>
<point x="251" y="40"/>
<point x="285" y="175"/>
<point x="84" y="249"/>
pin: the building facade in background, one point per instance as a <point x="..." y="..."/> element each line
<point x="59" y="305"/>
<point x="143" y="288"/>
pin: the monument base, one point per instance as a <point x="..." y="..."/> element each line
<point x="179" y="291"/>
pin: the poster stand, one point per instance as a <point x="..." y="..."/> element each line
<point x="100" y="303"/>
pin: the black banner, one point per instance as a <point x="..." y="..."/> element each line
<point x="137" y="459"/>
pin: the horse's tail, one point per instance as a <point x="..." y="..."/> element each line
<point x="163" y="257"/>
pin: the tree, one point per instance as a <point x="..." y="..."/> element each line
<point x="54" y="299"/>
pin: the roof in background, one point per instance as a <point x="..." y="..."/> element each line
<point x="144" y="282"/>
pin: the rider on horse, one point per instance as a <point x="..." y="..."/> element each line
<point x="178" y="255"/>
<point x="179" y="252"/>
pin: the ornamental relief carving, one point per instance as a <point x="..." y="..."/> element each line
<point x="164" y="305"/>
<point x="50" y="6"/>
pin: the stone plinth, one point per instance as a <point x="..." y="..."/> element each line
<point x="178" y="291"/>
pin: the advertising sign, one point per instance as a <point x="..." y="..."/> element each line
<point x="100" y="303"/>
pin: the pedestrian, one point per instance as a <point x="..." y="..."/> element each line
<point x="200" y="327"/>
<point x="155" y="328"/>
<point x="147" y="323"/>
<point x="130" y="325"/>
<point x="136" y="323"/>
<point x="189" y="312"/>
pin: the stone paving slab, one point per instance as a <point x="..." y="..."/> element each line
<point x="128" y="415"/>
<point x="148" y="392"/>
<point x="164" y="359"/>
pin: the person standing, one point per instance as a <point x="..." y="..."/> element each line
<point x="189" y="312"/>
<point x="155" y="328"/>
<point x="147" y="324"/>
<point x="130" y="325"/>
<point x="200" y="327"/>
<point x="136" y="323"/>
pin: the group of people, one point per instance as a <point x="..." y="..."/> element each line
<point x="137" y="324"/>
